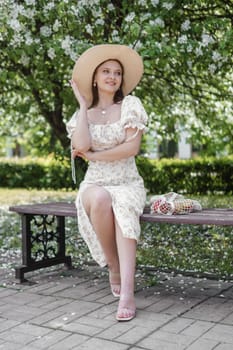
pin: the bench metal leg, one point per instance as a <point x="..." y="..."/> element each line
<point x="43" y="243"/>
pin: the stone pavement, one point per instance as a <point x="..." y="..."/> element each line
<point x="62" y="310"/>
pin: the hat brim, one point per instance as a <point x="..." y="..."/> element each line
<point x="86" y="64"/>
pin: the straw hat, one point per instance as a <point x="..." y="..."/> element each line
<point x="93" y="57"/>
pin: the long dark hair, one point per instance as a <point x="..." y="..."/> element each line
<point x="119" y="93"/>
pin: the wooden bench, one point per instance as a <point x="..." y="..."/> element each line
<point x="43" y="231"/>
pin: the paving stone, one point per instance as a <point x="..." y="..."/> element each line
<point x="7" y="324"/>
<point x="116" y="330"/>
<point x="5" y="292"/>
<point x="11" y="346"/>
<point x="94" y="344"/>
<point x="46" y="317"/>
<point x="71" y="342"/>
<point x="177" y="325"/>
<point x="228" y="320"/>
<point x="224" y="347"/>
<point x="176" y="339"/>
<point x="213" y="309"/>
<point x="51" y="338"/>
<point x="17" y="338"/>
<point x="77" y="311"/>
<point x="22" y="313"/>
<point x="197" y="328"/>
<point x="76" y="327"/>
<point x="20" y="298"/>
<point x="152" y="344"/>
<point x="221" y="333"/>
<point x="175" y="304"/>
<point x="203" y="344"/>
<point x="27" y="328"/>
<point x="93" y="322"/>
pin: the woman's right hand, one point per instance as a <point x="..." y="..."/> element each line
<point x="81" y="99"/>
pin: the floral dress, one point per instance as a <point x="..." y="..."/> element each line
<point x="120" y="178"/>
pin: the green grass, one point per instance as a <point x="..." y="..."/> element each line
<point x="199" y="250"/>
<point x="187" y="249"/>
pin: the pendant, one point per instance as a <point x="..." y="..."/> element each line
<point x="103" y="112"/>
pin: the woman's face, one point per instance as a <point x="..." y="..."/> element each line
<point x="108" y="77"/>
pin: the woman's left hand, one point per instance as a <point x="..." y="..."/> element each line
<point x="89" y="155"/>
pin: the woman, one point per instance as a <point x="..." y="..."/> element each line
<point x="107" y="131"/>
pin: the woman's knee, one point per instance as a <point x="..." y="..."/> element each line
<point x="101" y="200"/>
<point x="97" y="198"/>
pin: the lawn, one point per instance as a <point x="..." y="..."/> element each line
<point x="195" y="250"/>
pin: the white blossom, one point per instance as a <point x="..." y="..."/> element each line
<point x="49" y="6"/>
<point x="212" y="68"/>
<point x="168" y="5"/>
<point x="15" y="25"/>
<point x="216" y="56"/>
<point x="115" y="36"/>
<point x="198" y="51"/>
<point x="30" y="2"/>
<point x="51" y="53"/>
<point x="110" y="7"/>
<point x="45" y="31"/>
<point x="28" y="39"/>
<point x="190" y="64"/>
<point x="182" y="39"/>
<point x="99" y="21"/>
<point x="189" y="48"/>
<point x="130" y="17"/>
<point x="96" y="12"/>
<point x="24" y="60"/>
<point x="115" y="32"/>
<point x="138" y="45"/>
<point x="185" y="25"/>
<point x="154" y="2"/>
<point x="66" y="43"/>
<point x="29" y="13"/>
<point x="158" y="22"/>
<point x="141" y="2"/>
<point x="17" y="40"/>
<point x="56" y="25"/>
<point x="89" y="29"/>
<point x="207" y="39"/>
<point x="158" y="45"/>
<point x="73" y="55"/>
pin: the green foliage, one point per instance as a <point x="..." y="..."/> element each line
<point x="186" y="248"/>
<point x="39" y="173"/>
<point x="194" y="176"/>
<point x="186" y="47"/>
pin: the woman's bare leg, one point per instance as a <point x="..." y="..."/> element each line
<point x="98" y="205"/>
<point x="127" y="258"/>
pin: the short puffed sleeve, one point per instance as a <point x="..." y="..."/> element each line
<point x="70" y="125"/>
<point x="133" y="114"/>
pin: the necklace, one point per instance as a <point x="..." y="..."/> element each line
<point x="103" y="111"/>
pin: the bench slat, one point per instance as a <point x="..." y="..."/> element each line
<point x="216" y="216"/>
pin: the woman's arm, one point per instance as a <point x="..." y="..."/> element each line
<point x="81" y="138"/>
<point x="124" y="150"/>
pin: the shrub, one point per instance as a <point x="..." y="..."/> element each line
<point x="193" y="176"/>
<point x="199" y="175"/>
<point x="47" y="173"/>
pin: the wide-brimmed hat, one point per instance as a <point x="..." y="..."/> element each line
<point x="87" y="63"/>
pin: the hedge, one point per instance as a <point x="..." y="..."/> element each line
<point x="194" y="176"/>
<point x="36" y="173"/>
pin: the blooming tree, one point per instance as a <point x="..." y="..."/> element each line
<point x="186" y="46"/>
